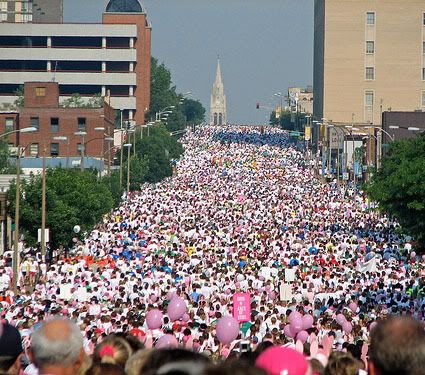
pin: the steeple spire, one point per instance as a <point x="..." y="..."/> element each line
<point x="218" y="115"/>
<point x="218" y="72"/>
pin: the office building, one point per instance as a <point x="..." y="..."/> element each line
<point x="111" y="58"/>
<point x="368" y="58"/>
<point x="37" y="11"/>
<point x="61" y="132"/>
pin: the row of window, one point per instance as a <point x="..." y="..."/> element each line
<point x="371" y="18"/>
<point x="55" y="126"/>
<point x="370" y="73"/>
<point x="370" y="47"/>
<point x="54" y="149"/>
<point x="369" y="98"/>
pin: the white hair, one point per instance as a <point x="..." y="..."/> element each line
<point x="61" y="351"/>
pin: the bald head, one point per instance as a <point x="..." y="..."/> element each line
<point x="397" y="347"/>
<point x="58" y="342"/>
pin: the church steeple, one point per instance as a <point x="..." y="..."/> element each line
<point x="218" y="114"/>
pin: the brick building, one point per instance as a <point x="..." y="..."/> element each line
<point x="57" y="126"/>
<point x="112" y="57"/>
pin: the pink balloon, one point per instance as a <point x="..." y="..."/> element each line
<point x="302" y="336"/>
<point x="185" y="317"/>
<point x="166" y="341"/>
<point x="287" y="331"/>
<point x="307" y="321"/>
<point x="352" y="306"/>
<point x="176" y="308"/>
<point x="296" y="325"/>
<point x="340" y="319"/>
<point x="227" y="329"/>
<point x="347" y="327"/>
<point x="294" y="315"/>
<point x="372" y="325"/>
<point x="154" y="319"/>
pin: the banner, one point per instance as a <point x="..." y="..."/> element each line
<point x="289" y="275"/>
<point x="285" y="292"/>
<point x="242" y="307"/>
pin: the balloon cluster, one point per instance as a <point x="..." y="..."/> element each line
<point x="298" y="325"/>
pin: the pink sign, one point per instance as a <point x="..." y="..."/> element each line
<point x="242" y="307"/>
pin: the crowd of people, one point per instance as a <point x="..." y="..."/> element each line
<point x="155" y="282"/>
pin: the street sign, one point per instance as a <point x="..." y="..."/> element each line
<point x="46" y="235"/>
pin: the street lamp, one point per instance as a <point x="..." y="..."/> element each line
<point x="64" y="138"/>
<point x="128" y="145"/>
<point x="17" y="204"/>
<point x="28" y="129"/>
<point x="83" y="135"/>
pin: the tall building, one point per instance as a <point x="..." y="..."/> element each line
<point x="37" y="11"/>
<point x="369" y="56"/>
<point x="111" y="58"/>
<point x="218" y="113"/>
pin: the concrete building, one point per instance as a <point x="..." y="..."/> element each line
<point x="37" y="11"/>
<point x="218" y="106"/>
<point x="300" y="100"/>
<point x="369" y="56"/>
<point x="55" y="137"/>
<point x="108" y="58"/>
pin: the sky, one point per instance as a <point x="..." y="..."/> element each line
<point x="265" y="46"/>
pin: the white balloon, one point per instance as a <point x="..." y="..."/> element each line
<point x="77" y="229"/>
<point x="240" y="277"/>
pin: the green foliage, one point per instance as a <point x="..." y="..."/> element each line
<point x="139" y="168"/>
<point x="112" y="181"/>
<point x="76" y="101"/>
<point x="399" y="186"/>
<point x="288" y="120"/>
<point x="5" y="166"/>
<point x="19" y="102"/>
<point x="72" y="197"/>
<point x="194" y="111"/>
<point x="163" y="94"/>
<point x="154" y="153"/>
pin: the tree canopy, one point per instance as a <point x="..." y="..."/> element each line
<point x="72" y="198"/>
<point x="399" y="186"/>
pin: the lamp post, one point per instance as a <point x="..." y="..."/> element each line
<point x="17" y="206"/>
<point x="83" y="135"/>
<point x="64" y="138"/>
<point x="128" y="145"/>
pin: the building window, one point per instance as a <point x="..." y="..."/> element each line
<point x="370" y="18"/>
<point x="81" y="124"/>
<point x="423" y="98"/>
<point x="3" y="6"/>
<point x="368" y="98"/>
<point x="34" y="149"/>
<point x="423" y="18"/>
<point x="8" y="124"/>
<point x="40" y="91"/>
<point x="370" y="72"/>
<point x="423" y="47"/>
<point x="423" y="74"/>
<point x="54" y="124"/>
<point x="79" y="148"/>
<point x="54" y="149"/>
<point x="35" y="122"/>
<point x="370" y="46"/>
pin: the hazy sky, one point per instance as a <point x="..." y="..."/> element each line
<point x="264" y="46"/>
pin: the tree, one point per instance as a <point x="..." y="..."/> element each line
<point x="157" y="150"/>
<point x="194" y="111"/>
<point x="72" y="198"/>
<point x="19" y="101"/>
<point x="75" y="101"/>
<point x="399" y="186"/>
<point x="163" y="94"/>
<point x="139" y="169"/>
